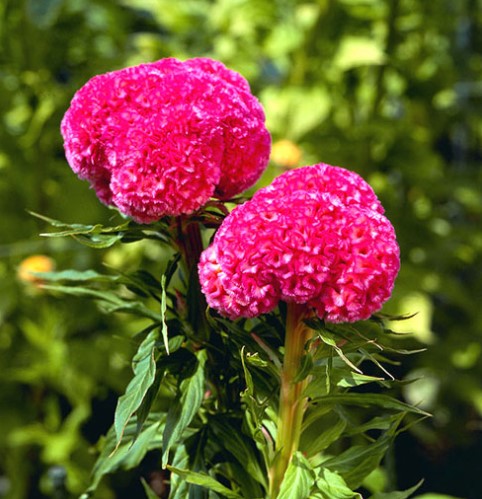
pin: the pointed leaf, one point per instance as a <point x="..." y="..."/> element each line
<point x="332" y="486"/>
<point x="205" y="481"/>
<point x="397" y="494"/>
<point x="186" y="405"/>
<point x="149" y="492"/>
<point x="236" y="443"/>
<point x="298" y="480"/>
<point x="368" y="399"/>
<point x="359" y="461"/>
<point x="144" y="366"/>
<point x="315" y="439"/>
<point x="128" y="455"/>
<point x="163" y="314"/>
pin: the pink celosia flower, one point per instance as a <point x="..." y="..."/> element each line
<point x="317" y="235"/>
<point x="162" y="138"/>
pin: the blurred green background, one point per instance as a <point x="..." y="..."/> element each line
<point x="389" y="88"/>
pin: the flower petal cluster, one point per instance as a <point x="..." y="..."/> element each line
<point x="317" y="235"/>
<point x="162" y="138"/>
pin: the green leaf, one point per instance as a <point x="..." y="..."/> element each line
<point x="185" y="406"/>
<point x="332" y="486"/>
<point x="128" y="455"/>
<point x="330" y="340"/>
<point x="368" y="399"/>
<point x="77" y="275"/>
<point x="316" y="437"/>
<point x="236" y="443"/>
<point x="205" y="481"/>
<point x="149" y="492"/>
<point x="109" y="300"/>
<point x="359" y="461"/>
<point x="340" y="377"/>
<point x="163" y="314"/>
<point x="97" y="241"/>
<point x="179" y="487"/>
<point x="254" y="413"/>
<point x="298" y="479"/>
<point x="144" y="366"/>
<point x="397" y="494"/>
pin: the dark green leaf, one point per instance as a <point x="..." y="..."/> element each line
<point x="317" y="436"/>
<point x="359" y="461"/>
<point x="144" y="366"/>
<point x="186" y="405"/>
<point x="149" y="492"/>
<point x="237" y="444"/>
<point x="128" y="454"/>
<point x="368" y="399"/>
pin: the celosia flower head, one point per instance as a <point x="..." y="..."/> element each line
<point x="317" y="235"/>
<point x="162" y="138"/>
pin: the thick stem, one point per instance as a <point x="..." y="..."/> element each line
<point x="292" y="404"/>
<point x="190" y="244"/>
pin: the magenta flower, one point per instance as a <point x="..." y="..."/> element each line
<point x="162" y="138"/>
<point x="315" y="236"/>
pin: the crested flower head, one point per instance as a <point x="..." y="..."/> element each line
<point x="316" y="236"/>
<point x="162" y="138"/>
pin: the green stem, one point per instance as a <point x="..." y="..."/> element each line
<point x="292" y="404"/>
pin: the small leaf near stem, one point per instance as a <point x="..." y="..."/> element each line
<point x="292" y="404"/>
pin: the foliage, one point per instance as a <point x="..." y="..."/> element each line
<point x="386" y="87"/>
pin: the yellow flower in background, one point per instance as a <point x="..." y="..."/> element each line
<point x="33" y="264"/>
<point x="286" y="153"/>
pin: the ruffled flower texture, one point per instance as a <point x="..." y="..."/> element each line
<point x="162" y="138"/>
<point x="317" y="235"/>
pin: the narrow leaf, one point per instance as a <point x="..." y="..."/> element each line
<point x="397" y="494"/>
<point x="368" y="399"/>
<point x="315" y="439"/>
<point x="234" y="441"/>
<point x="359" y="461"/>
<point x="205" y="481"/>
<point x="127" y="456"/>
<point x="144" y="366"/>
<point x="149" y="492"/>
<point x="163" y="314"/>
<point x="77" y="275"/>
<point x="186" y="405"/>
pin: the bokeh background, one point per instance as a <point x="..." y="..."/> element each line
<point x="389" y="88"/>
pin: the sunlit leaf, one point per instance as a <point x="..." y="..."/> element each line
<point x="298" y="479"/>
<point x="397" y="494"/>
<point x="205" y="481"/>
<point x="332" y="486"/>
